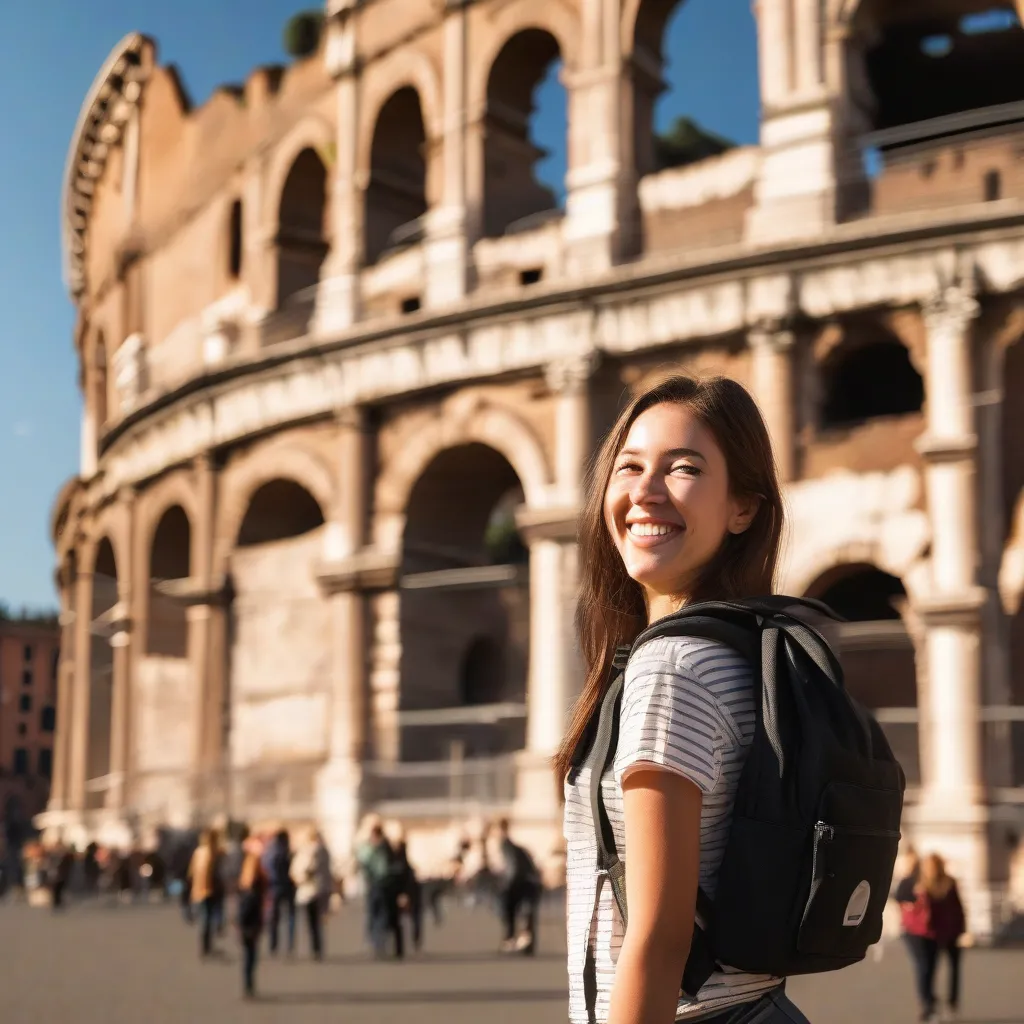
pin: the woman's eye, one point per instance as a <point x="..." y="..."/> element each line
<point x="686" y="469"/>
<point x="627" y="467"/>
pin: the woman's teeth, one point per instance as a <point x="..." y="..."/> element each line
<point x="650" y="529"/>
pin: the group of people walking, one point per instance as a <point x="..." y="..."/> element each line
<point x="272" y="885"/>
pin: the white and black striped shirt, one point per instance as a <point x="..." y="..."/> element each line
<point x="687" y="707"/>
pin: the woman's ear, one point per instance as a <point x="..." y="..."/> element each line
<point x="743" y="512"/>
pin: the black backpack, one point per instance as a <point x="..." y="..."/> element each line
<point x="808" y="864"/>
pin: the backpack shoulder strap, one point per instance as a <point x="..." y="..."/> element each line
<point x="700" y="964"/>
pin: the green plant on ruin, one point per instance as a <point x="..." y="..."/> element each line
<point x="302" y="33"/>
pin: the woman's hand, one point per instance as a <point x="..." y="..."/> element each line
<point x="662" y="817"/>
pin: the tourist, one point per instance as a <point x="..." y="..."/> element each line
<point x="311" y="874"/>
<point x="204" y="885"/>
<point x="375" y="861"/>
<point x="277" y="862"/>
<point x="409" y="892"/>
<point x="252" y="891"/>
<point x="519" y="887"/>
<point x="933" y="923"/>
<point x="684" y="506"/>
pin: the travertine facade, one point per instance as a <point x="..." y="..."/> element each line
<point x="344" y="362"/>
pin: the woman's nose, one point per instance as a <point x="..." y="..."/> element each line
<point x="646" y="489"/>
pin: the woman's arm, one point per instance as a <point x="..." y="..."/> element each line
<point x="662" y="820"/>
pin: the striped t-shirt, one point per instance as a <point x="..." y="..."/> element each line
<point x="687" y="707"/>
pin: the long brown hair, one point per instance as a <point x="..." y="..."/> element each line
<point x="611" y="609"/>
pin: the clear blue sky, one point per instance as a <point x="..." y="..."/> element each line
<point x="49" y="54"/>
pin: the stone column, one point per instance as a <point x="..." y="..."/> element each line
<point x="337" y="306"/>
<point x="447" y="250"/>
<point x="59" y="788"/>
<point x="951" y="816"/>
<point x="772" y="378"/>
<point x="796" y="191"/>
<point x="555" y="670"/>
<point x="339" y="783"/>
<point x="120" y="643"/>
<point x="78" y="741"/>
<point x="208" y="654"/>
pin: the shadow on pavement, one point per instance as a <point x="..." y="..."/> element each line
<point x="424" y="998"/>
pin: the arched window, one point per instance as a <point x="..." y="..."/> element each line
<point x="278" y="510"/>
<point x="169" y="560"/>
<point x="870" y="377"/>
<point x="235" y="240"/>
<point x="396" y="197"/>
<point x="524" y="73"/>
<point x="302" y="226"/>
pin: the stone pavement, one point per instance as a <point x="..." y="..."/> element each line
<point x="129" y="965"/>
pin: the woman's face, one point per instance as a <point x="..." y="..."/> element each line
<point x="668" y="505"/>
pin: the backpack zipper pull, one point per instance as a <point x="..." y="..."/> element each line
<point x="825" y="831"/>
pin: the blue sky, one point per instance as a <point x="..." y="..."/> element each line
<point x="49" y="54"/>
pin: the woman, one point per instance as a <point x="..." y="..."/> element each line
<point x="311" y="873"/>
<point x="204" y="880"/>
<point x="933" y="923"/>
<point x="252" y="894"/>
<point x="684" y="505"/>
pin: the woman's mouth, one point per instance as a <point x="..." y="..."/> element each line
<point x="651" y="535"/>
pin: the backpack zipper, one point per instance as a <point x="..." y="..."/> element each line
<point x="828" y="832"/>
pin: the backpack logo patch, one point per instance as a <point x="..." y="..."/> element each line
<point x="858" y="905"/>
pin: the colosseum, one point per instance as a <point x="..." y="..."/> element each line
<point x="344" y="360"/>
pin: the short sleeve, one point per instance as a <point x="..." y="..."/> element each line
<point x="668" y="718"/>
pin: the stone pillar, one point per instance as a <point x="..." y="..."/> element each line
<point x="339" y="783"/>
<point x="120" y="643"/>
<point x="208" y="655"/>
<point x="772" y="378"/>
<point x="78" y="741"/>
<point x="601" y="201"/>
<point x="555" y="669"/>
<point x="447" y="249"/>
<point x="796" y="191"/>
<point x="59" y="787"/>
<point x="337" y="306"/>
<point x="951" y="817"/>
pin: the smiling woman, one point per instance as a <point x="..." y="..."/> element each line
<point x="684" y="505"/>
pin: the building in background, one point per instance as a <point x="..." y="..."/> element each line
<point x="344" y="360"/>
<point x="29" y="659"/>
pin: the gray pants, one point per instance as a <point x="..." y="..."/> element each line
<point x="774" y="1008"/>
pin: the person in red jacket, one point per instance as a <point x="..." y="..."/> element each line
<point x="933" y="922"/>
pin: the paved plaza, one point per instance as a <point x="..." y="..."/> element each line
<point x="129" y="965"/>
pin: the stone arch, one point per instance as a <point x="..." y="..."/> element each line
<point x="397" y="192"/>
<point x="557" y="19"/>
<point x="876" y="648"/>
<point x="173" y="489"/>
<point x="105" y="587"/>
<point x="460" y="598"/>
<point x="315" y="133"/>
<point x="286" y="460"/>
<point x="302" y="226"/>
<point x="407" y="67"/>
<point x="169" y="562"/>
<point x="512" y="195"/>
<point x="483" y="423"/>
<point x="867" y="373"/>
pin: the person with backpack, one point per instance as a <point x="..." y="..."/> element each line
<point x="933" y="922"/>
<point x="732" y="815"/>
<point x="277" y="861"/>
<point x="519" y="887"/>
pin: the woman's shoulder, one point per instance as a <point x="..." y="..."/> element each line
<point x="695" y="658"/>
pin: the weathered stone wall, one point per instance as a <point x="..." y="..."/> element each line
<point x="280" y="654"/>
